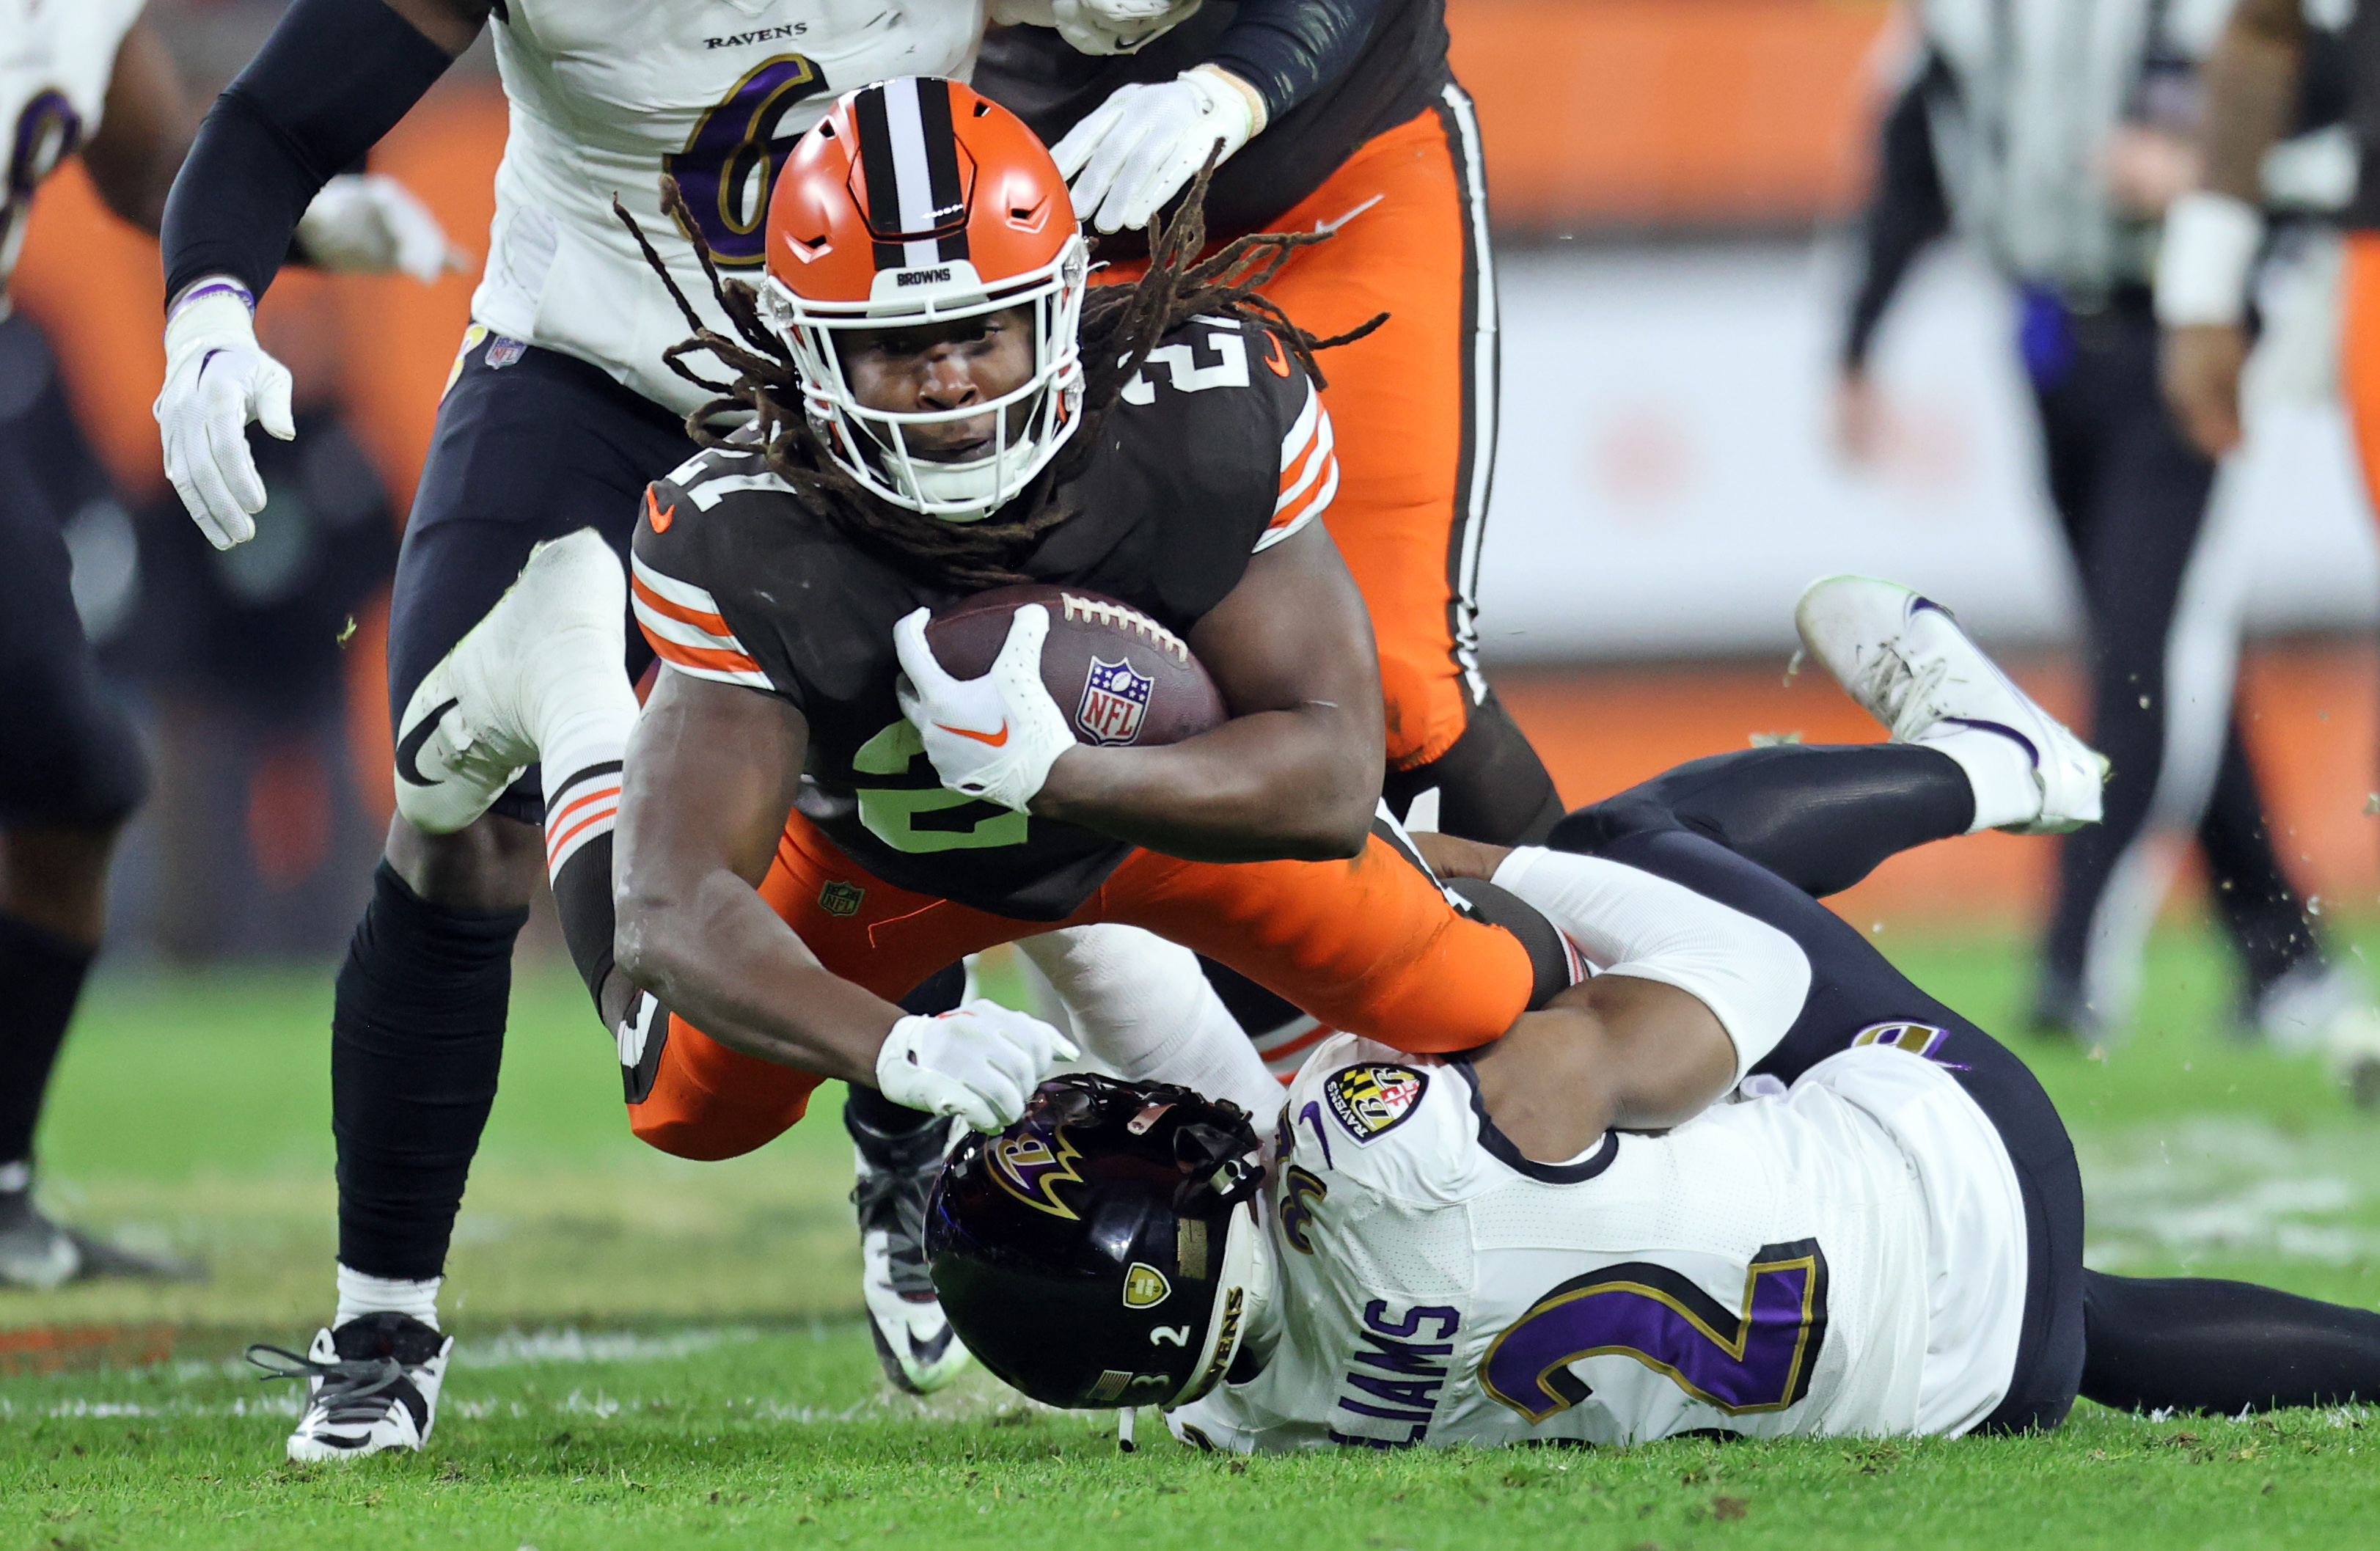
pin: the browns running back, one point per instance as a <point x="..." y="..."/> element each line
<point x="1121" y="677"/>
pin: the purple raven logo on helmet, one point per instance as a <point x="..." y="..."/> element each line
<point x="1115" y="699"/>
<point x="1031" y="1169"/>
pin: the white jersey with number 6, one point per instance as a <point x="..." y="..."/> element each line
<point x="1848" y="1257"/>
<point x="607" y="96"/>
<point x="57" y="57"/>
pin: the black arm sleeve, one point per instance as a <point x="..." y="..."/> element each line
<point x="1907" y="213"/>
<point x="1286" y="48"/>
<point x="334" y="77"/>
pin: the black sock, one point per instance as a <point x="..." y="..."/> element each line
<point x="43" y="973"/>
<point x="2196" y="1344"/>
<point x="582" y="898"/>
<point x="417" y="1039"/>
<point x="939" y="992"/>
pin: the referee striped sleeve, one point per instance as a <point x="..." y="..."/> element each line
<point x="1309" y="472"/>
<point x="683" y="624"/>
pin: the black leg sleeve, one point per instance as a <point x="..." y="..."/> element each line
<point x="43" y="973"/>
<point x="1491" y="785"/>
<point x="1821" y="817"/>
<point x="417" y="1039"/>
<point x="2195" y="1344"/>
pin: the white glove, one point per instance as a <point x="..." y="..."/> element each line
<point x="980" y="1062"/>
<point x="1117" y="25"/>
<point x="365" y="223"/>
<point x="994" y="737"/>
<point x="1145" y="143"/>
<point x="218" y="379"/>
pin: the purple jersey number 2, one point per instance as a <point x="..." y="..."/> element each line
<point x="1757" y="1358"/>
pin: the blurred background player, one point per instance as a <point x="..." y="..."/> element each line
<point x="2056" y="142"/>
<point x="88" y="79"/>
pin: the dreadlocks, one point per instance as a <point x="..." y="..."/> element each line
<point x="1120" y="325"/>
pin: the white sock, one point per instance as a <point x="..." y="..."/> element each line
<point x="579" y="761"/>
<point x="360" y="1294"/>
<point x="1142" y="1005"/>
<point x="2000" y="773"/>
<point x="16" y="1178"/>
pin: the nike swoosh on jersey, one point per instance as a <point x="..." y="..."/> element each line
<point x="994" y="739"/>
<point x="1273" y="357"/>
<point x="408" y="748"/>
<point x="657" y="513"/>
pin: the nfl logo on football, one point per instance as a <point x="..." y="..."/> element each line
<point x="1115" y="698"/>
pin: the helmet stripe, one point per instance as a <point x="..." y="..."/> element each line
<point x="946" y="199"/>
<point x="877" y="169"/>
<point x="908" y="156"/>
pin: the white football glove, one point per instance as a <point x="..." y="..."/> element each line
<point x="218" y="379"/>
<point x="1098" y="26"/>
<point x="1145" y="143"/>
<point x="994" y="737"/>
<point x="979" y="1063"/>
<point x="365" y="223"/>
<point x="1117" y="25"/>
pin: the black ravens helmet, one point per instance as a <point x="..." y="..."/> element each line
<point x="1105" y="1250"/>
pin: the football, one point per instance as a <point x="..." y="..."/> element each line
<point x="1121" y="677"/>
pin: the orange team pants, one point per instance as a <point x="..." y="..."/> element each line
<point x="1368" y="945"/>
<point x="1412" y="405"/>
<point x="2358" y="358"/>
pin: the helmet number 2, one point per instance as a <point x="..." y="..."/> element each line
<point x="731" y="158"/>
<point x="1170" y="1335"/>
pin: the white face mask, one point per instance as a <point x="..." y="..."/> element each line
<point x="1030" y="424"/>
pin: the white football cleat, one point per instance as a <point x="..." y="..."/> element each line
<point x="1904" y="660"/>
<point x="914" y="1340"/>
<point x="371" y="1384"/>
<point x="557" y="636"/>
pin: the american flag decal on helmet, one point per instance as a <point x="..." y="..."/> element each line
<point x="909" y="159"/>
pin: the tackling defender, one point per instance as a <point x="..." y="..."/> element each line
<point x="92" y="79"/>
<point x="1566" y="1236"/>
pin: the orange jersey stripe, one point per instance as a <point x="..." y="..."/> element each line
<point x="712" y="658"/>
<point x="711" y="624"/>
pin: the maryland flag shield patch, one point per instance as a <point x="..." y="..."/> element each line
<point x="1373" y="1100"/>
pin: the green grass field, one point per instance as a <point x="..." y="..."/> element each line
<point x="653" y="1352"/>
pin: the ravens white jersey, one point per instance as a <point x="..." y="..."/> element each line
<point x="607" y="96"/>
<point x="1846" y="1257"/>
<point x="56" y="59"/>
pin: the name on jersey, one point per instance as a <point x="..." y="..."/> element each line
<point x="760" y="35"/>
<point x="1398" y="1372"/>
<point x="1375" y="1098"/>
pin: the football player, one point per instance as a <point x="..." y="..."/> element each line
<point x="1338" y="115"/>
<point x="940" y="406"/>
<point x="1569" y="1236"/>
<point x="88" y="79"/>
<point x="559" y="412"/>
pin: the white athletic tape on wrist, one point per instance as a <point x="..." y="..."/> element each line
<point x="2208" y="252"/>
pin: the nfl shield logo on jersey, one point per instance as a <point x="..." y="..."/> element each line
<point x="1373" y="1100"/>
<point x="1115" y="698"/>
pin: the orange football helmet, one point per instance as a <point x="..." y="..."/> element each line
<point x="916" y="202"/>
